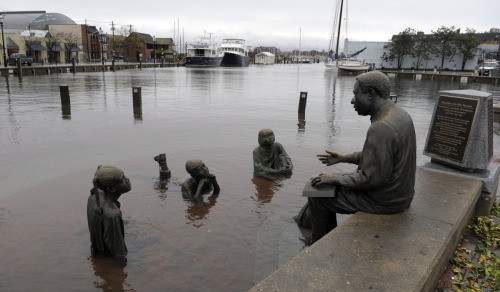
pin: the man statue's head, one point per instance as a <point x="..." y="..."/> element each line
<point x="369" y="88"/>
<point x="377" y="81"/>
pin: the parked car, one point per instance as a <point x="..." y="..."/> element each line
<point x="13" y="59"/>
<point x="486" y="68"/>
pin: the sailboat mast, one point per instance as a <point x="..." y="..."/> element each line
<point x="300" y="40"/>
<point x="340" y="24"/>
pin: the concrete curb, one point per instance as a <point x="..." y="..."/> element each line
<point x="402" y="252"/>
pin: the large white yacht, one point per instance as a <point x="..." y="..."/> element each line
<point x="203" y="53"/>
<point x="234" y="53"/>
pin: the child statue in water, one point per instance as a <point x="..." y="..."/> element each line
<point x="103" y="212"/>
<point x="200" y="182"/>
<point x="270" y="158"/>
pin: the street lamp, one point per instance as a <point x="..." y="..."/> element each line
<point x="3" y="42"/>
<point x="102" y="45"/>
<point x="154" y="50"/>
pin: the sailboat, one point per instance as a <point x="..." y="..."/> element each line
<point x="353" y="64"/>
<point x="334" y="62"/>
<point x="331" y="63"/>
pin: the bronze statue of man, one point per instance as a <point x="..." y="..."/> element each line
<point x="200" y="182"/>
<point x="385" y="178"/>
<point x="104" y="217"/>
<point x="270" y="158"/>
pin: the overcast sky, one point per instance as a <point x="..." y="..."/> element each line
<point x="279" y="23"/>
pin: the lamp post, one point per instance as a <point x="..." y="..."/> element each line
<point x="3" y="42"/>
<point x="154" y="50"/>
<point x="102" y="45"/>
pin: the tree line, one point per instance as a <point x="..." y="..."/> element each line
<point x="445" y="43"/>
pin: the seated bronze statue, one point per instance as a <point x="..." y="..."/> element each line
<point x="201" y="181"/>
<point x="270" y="158"/>
<point x="384" y="181"/>
<point x="104" y="217"/>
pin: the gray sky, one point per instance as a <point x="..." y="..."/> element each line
<point x="274" y="23"/>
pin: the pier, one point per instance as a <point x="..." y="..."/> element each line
<point x="68" y="68"/>
<point x="453" y="76"/>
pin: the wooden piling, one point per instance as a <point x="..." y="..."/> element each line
<point x="19" y="69"/>
<point x="302" y="102"/>
<point x="137" y="102"/>
<point x="65" y="101"/>
<point x="64" y="91"/>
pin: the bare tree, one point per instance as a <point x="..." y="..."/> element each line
<point x="444" y="39"/>
<point x="422" y="49"/>
<point x="467" y="45"/>
<point x="400" y="46"/>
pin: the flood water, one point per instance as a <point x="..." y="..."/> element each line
<point x="228" y="243"/>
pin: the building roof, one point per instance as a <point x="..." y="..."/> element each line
<point x="145" y="38"/>
<point x="50" y="18"/>
<point x="265" y="53"/>
<point x="164" y="41"/>
<point x="16" y="21"/>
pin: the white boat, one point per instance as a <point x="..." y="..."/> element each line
<point x="334" y="62"/>
<point x="234" y="53"/>
<point x="203" y="53"/>
<point x="353" y="65"/>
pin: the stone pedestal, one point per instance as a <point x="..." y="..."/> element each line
<point x="489" y="178"/>
<point x="460" y="141"/>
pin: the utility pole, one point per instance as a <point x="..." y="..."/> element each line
<point x="113" y="30"/>
<point x="87" y="39"/>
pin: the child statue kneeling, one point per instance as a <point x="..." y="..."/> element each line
<point x="270" y="158"/>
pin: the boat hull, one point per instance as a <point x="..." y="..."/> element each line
<point x="354" y="65"/>
<point x="234" y="60"/>
<point x="354" y="68"/>
<point x="201" y="62"/>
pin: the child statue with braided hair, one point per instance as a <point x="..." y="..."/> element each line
<point x="103" y="212"/>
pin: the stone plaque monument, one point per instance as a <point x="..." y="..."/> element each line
<point x="460" y="141"/>
<point x="461" y="130"/>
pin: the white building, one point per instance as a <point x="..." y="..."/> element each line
<point x="375" y="50"/>
<point x="264" y="58"/>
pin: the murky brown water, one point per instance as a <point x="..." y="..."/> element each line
<point x="227" y="244"/>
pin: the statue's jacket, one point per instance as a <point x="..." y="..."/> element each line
<point x="107" y="235"/>
<point x="384" y="181"/>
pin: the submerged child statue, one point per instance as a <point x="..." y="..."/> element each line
<point x="104" y="216"/>
<point x="201" y="181"/>
<point x="270" y="158"/>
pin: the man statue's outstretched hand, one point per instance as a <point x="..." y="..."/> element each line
<point x="322" y="179"/>
<point x="330" y="158"/>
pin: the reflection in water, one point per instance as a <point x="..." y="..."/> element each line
<point x="66" y="111"/>
<point x="199" y="209"/>
<point x="161" y="186"/>
<point x="265" y="189"/>
<point x="7" y="84"/>
<point x="13" y="123"/>
<point x="330" y="87"/>
<point x="138" y="114"/>
<point x="112" y="273"/>
<point x="302" y="123"/>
